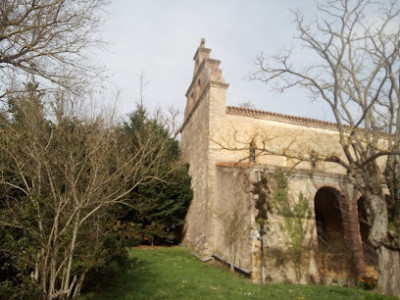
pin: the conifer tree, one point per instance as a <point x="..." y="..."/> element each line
<point x="160" y="208"/>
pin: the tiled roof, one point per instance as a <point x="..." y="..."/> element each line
<point x="266" y="115"/>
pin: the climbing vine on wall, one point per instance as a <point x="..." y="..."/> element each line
<point x="273" y="196"/>
<point x="295" y="219"/>
<point x="261" y="204"/>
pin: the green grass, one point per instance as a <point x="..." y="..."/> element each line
<point x="174" y="273"/>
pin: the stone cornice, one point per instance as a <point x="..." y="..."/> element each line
<point x="213" y="61"/>
<point x="234" y="164"/>
<point x="203" y="49"/>
<point x="271" y="116"/>
<point x="302" y="172"/>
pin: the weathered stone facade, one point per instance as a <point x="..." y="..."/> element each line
<point x="222" y="219"/>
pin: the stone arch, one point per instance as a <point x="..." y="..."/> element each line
<point x="329" y="219"/>
<point x="334" y="255"/>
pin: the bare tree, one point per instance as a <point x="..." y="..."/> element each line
<point x="48" y="39"/>
<point x="355" y="70"/>
<point x="68" y="172"/>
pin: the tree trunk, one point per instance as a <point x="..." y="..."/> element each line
<point x="389" y="271"/>
<point x="392" y="177"/>
<point x="379" y="227"/>
<point x="77" y="290"/>
<point x="67" y="283"/>
<point x="389" y="259"/>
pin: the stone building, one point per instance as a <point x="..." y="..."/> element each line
<point x="234" y="179"/>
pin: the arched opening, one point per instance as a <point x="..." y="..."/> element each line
<point x="329" y="220"/>
<point x="334" y="259"/>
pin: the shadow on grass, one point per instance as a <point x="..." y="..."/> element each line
<point x="128" y="284"/>
<point x="174" y="273"/>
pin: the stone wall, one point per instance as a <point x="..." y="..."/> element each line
<point x="234" y="232"/>
<point x="232" y="217"/>
<point x="194" y="147"/>
<point x="280" y="259"/>
<point x="215" y="140"/>
<point x="206" y="98"/>
<point x="235" y="133"/>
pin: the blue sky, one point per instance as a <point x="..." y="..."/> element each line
<point x="160" y="37"/>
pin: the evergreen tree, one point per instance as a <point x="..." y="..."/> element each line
<point x="159" y="208"/>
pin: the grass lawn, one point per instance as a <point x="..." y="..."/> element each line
<point x="174" y="273"/>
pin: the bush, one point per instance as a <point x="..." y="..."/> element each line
<point x="115" y="262"/>
<point x="15" y="282"/>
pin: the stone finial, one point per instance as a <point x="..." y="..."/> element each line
<point x="202" y="42"/>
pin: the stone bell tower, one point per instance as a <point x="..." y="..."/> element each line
<point x="206" y="74"/>
<point x="205" y="108"/>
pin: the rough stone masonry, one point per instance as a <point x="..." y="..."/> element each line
<point x="219" y="143"/>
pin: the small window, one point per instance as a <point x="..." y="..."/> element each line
<point x="252" y="152"/>
<point x="313" y="159"/>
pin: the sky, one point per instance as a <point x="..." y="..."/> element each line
<point x="159" y="38"/>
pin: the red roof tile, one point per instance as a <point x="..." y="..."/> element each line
<point x="266" y="115"/>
